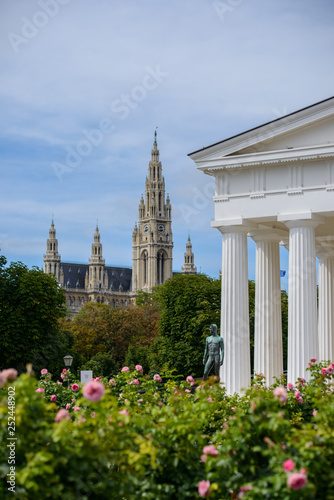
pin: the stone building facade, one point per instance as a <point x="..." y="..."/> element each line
<point x="152" y="253"/>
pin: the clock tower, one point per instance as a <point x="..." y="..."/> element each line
<point x="152" y="242"/>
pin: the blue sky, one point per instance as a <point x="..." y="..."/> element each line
<point x="201" y="71"/>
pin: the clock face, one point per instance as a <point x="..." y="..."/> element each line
<point x="161" y="228"/>
<point x="146" y="228"/>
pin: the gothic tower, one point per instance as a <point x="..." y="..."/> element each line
<point x="152" y="242"/>
<point x="189" y="267"/>
<point x="52" y="257"/>
<point x="96" y="278"/>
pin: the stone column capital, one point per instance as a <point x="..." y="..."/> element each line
<point x="301" y="220"/>
<point x="269" y="234"/>
<point x="238" y="225"/>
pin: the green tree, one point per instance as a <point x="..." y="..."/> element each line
<point x="188" y="305"/>
<point x="31" y="305"/>
<point x="99" y="329"/>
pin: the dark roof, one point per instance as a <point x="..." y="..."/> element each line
<point x="260" y="126"/>
<point x="119" y="278"/>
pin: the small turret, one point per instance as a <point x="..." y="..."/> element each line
<point x="189" y="267"/>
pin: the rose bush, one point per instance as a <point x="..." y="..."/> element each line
<point x="166" y="439"/>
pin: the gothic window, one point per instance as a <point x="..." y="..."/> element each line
<point x="50" y="246"/>
<point x="54" y="246"/>
<point x="161" y="257"/>
<point x="69" y="301"/>
<point x="95" y="250"/>
<point x="99" y="250"/>
<point x="167" y="238"/>
<point x="78" y="302"/>
<point x="145" y="267"/>
<point x="100" y="273"/>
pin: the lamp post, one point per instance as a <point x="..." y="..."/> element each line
<point x="68" y="359"/>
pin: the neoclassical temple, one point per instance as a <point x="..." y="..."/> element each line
<point x="152" y="253"/>
<point x="275" y="184"/>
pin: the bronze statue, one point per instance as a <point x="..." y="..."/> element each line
<point x="213" y="345"/>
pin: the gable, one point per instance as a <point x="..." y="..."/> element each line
<point x="317" y="133"/>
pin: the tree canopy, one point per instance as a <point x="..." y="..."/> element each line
<point x="31" y="304"/>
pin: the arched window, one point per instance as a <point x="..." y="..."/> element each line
<point x="161" y="257"/>
<point x="145" y="267"/>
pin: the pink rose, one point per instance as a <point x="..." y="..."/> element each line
<point x="112" y="382"/>
<point x="296" y="480"/>
<point x="53" y="398"/>
<point x="187" y="390"/>
<point x="313" y="360"/>
<point x="243" y="490"/>
<point x="210" y="450"/>
<point x="303" y="471"/>
<point x="68" y="406"/>
<point x="9" y="373"/>
<point x="314" y="412"/>
<point x="204" y="458"/>
<point x="300" y="400"/>
<point x="75" y="387"/>
<point x="289" y="386"/>
<point x="64" y="370"/>
<point x="140" y="400"/>
<point x="40" y="389"/>
<point x="44" y="371"/>
<point x="136" y="381"/>
<point x="157" y="378"/>
<point x="61" y="415"/>
<point x="209" y="399"/>
<point x="76" y="408"/>
<point x="288" y="465"/>
<point x="330" y="369"/>
<point x="93" y="391"/>
<point x="125" y="369"/>
<point x="93" y="414"/>
<point x="281" y="394"/>
<point x="139" y="368"/>
<point x="302" y="380"/>
<point x="204" y="488"/>
<point x="124" y="412"/>
<point x="324" y="371"/>
<point x="190" y="380"/>
<point x="160" y="403"/>
<point x="297" y="394"/>
<point x="59" y="383"/>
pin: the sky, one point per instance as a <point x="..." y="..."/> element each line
<point x="84" y="84"/>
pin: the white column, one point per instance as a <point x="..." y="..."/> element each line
<point x="326" y="310"/>
<point x="302" y="328"/>
<point x="268" y="344"/>
<point x="235" y="372"/>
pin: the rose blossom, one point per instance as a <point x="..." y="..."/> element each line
<point x="313" y="360"/>
<point x="75" y="387"/>
<point x="124" y="412"/>
<point x="288" y="465"/>
<point x="9" y="373"/>
<point x="61" y="415"/>
<point x="59" y="383"/>
<point x="64" y="370"/>
<point x="157" y="378"/>
<point x="68" y="406"/>
<point x="190" y="380"/>
<point x="139" y="368"/>
<point x="136" y="381"/>
<point x="125" y="369"/>
<point x="44" y="371"/>
<point x="93" y="391"/>
<point x="296" y="481"/>
<point x="40" y="389"/>
<point x="112" y="382"/>
<point x="324" y="371"/>
<point x="204" y="488"/>
<point x="209" y="399"/>
<point x="53" y="398"/>
<point x="314" y="412"/>
<point x="289" y="386"/>
<point x="299" y="400"/>
<point x="281" y="394"/>
<point x="330" y="369"/>
<point x="210" y="450"/>
<point x="76" y="408"/>
<point x="187" y="390"/>
<point x="243" y="490"/>
<point x="297" y="394"/>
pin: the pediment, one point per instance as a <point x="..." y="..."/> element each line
<point x="306" y="128"/>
